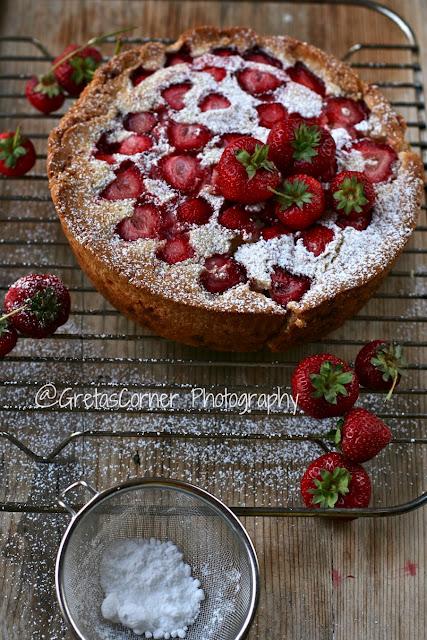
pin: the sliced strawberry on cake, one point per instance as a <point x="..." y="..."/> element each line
<point x="316" y="238"/>
<point x="176" y="249"/>
<point x="257" y="82"/>
<point x="379" y="158"/>
<point x="238" y="218"/>
<point x="301" y="73"/>
<point x="128" y="183"/>
<point x="175" y="95"/>
<point x="182" y="172"/>
<point x="287" y="287"/>
<point x="145" y="222"/>
<point x="194" y="211"/>
<point x="221" y="272"/>
<point x="344" y="113"/>
<point x="188" y="137"/>
<point x="214" y="101"/>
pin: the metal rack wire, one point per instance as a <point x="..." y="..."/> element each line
<point x="100" y="341"/>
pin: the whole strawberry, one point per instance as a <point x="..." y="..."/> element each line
<point x="37" y="304"/>
<point x="8" y="336"/>
<point x="44" y="93"/>
<point x="17" y="154"/>
<point x="298" y="146"/>
<point x="76" y="70"/>
<point x="324" y="386"/>
<point x="361" y="435"/>
<point x="351" y="194"/>
<point x="300" y="202"/>
<point x="379" y="365"/>
<point x="244" y="172"/>
<point x="332" y="481"/>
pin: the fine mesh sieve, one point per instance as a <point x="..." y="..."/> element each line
<point x="212" y="539"/>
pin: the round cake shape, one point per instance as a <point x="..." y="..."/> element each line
<point x="133" y="172"/>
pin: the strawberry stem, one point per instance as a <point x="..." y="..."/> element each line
<point x="393" y="386"/>
<point x="14" y="312"/>
<point x="91" y="41"/>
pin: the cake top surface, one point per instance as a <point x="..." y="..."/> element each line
<point x="143" y="189"/>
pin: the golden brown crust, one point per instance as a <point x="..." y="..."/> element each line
<point x="193" y="323"/>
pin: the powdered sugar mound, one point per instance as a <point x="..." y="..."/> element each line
<point x="148" y="588"/>
<point x="299" y="99"/>
<point x="210" y="238"/>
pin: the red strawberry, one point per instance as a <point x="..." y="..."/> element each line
<point x="188" y="137"/>
<point x="76" y="71"/>
<point x="228" y="138"/>
<point x="214" y="101"/>
<point x="324" y="386"/>
<point x="194" y="211"/>
<point x="287" y="287"/>
<point x="270" y="113"/>
<point x="316" y="238"/>
<point x="300" y="201"/>
<point x="135" y="144"/>
<point x="379" y="157"/>
<point x="225" y="52"/>
<point x="8" y="336"/>
<point x="176" y="250"/>
<point x="274" y="231"/>
<point x="44" y="93"/>
<point x="182" y="172"/>
<point x="221" y="272"/>
<point x="379" y="365"/>
<point x="17" y="154"/>
<point x="179" y="57"/>
<point x="145" y="222"/>
<point x="175" y="94"/>
<point x="236" y="217"/>
<point x="359" y="221"/>
<point x="299" y="147"/>
<point x="105" y="157"/>
<point x="352" y="196"/>
<point x="344" y="113"/>
<point x="361" y="435"/>
<point x="332" y="481"/>
<point x="128" y="183"/>
<point x="218" y="73"/>
<point x="257" y="82"/>
<point x="244" y="173"/>
<point x="301" y="74"/>
<point x="140" y="122"/>
<point x="258" y="55"/>
<point x="46" y="303"/>
<point x="139" y="75"/>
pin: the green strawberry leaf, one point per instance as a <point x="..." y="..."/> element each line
<point x="294" y="192"/>
<point x="351" y="196"/>
<point x="255" y="161"/>
<point x="330" y="382"/>
<point x="306" y="141"/>
<point x="330" y="487"/>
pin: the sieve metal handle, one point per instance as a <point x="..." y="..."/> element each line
<point x="62" y="501"/>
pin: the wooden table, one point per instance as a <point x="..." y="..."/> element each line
<point x="320" y="581"/>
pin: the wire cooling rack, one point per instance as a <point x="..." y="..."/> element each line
<point x="251" y="459"/>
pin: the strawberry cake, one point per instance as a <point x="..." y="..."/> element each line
<point x="234" y="191"/>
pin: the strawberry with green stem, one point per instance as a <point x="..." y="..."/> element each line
<point x="37" y="304"/>
<point x="245" y="172"/>
<point x="300" y="202"/>
<point x="360" y="435"/>
<point x="300" y="146"/>
<point x="380" y="365"/>
<point x="352" y="196"/>
<point x="17" y="153"/>
<point x="331" y="481"/>
<point x="324" y="386"/>
<point x="46" y="92"/>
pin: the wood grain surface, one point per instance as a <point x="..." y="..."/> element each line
<point x="320" y="581"/>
